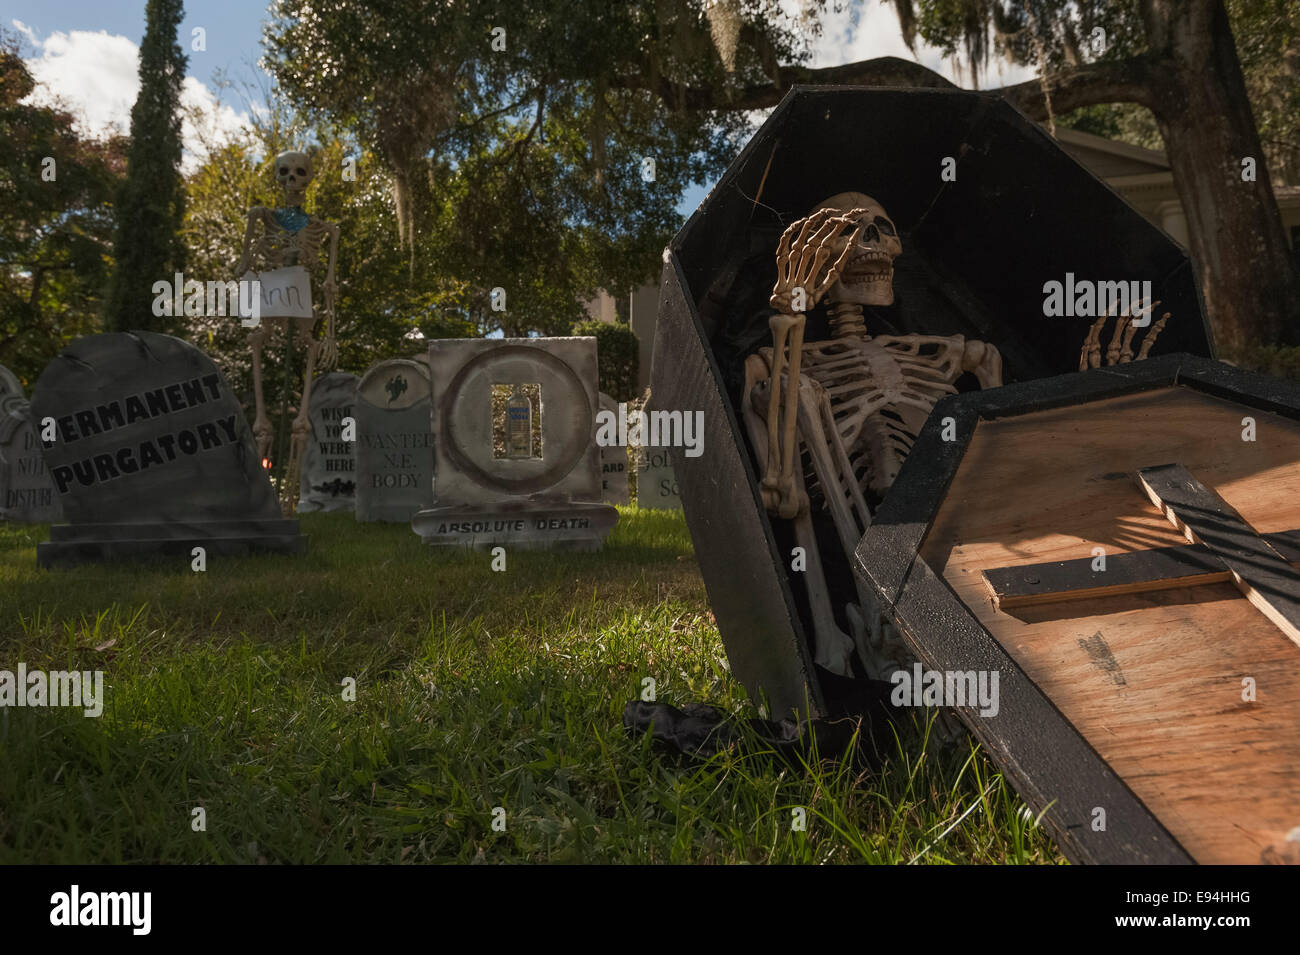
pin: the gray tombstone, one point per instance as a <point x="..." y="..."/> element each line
<point x="151" y="455"/>
<point x="614" y="463"/>
<point x="27" y="494"/>
<point x="656" y="482"/>
<point x="329" y="469"/>
<point x="493" y="489"/>
<point x="394" y="441"/>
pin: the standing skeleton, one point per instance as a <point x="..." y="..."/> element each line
<point x="857" y="402"/>
<point x="288" y="237"/>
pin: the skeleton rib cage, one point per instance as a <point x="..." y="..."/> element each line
<point x="279" y="248"/>
<point x="872" y="396"/>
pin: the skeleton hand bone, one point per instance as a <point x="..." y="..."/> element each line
<point x="262" y="432"/>
<point x="1120" y="349"/>
<point x="802" y="253"/>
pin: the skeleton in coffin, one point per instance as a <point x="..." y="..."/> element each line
<point x="853" y="404"/>
<point x="279" y="238"/>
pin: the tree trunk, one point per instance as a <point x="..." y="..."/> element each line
<point x="1252" y="292"/>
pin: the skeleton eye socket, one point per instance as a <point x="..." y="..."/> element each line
<point x="284" y="170"/>
<point x="300" y="171"/>
<point x="885" y="226"/>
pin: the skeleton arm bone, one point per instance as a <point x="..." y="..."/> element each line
<point x="246" y="253"/>
<point x="782" y="434"/>
<point x="985" y="362"/>
<point x="329" y="349"/>
<point x="832" y="647"/>
<point x="802" y="279"/>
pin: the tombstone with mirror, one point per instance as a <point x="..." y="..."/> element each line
<point x="517" y="463"/>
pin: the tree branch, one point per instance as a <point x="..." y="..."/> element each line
<point x="1125" y="81"/>
<point x="882" y="71"/>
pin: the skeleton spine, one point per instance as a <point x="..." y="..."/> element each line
<point x="847" y="320"/>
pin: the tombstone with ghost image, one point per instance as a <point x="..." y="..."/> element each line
<point x="394" y="446"/>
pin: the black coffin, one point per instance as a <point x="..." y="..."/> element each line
<point x="976" y="254"/>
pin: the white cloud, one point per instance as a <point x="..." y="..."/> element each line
<point x="96" y="77"/>
<point x="877" y="34"/>
<point x="218" y="123"/>
<point x="92" y="74"/>
<point x="25" y="30"/>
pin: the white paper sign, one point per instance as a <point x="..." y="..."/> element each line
<point x="285" y="293"/>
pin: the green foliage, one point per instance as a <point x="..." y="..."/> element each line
<point x="1051" y="34"/>
<point x="618" y="356"/>
<point x="56" y="192"/>
<point x="1282" y="361"/>
<point x="1055" y="35"/>
<point x="381" y="308"/>
<point x="521" y="168"/>
<point x="1267" y="35"/>
<point x="151" y="203"/>
<point x="1125" y="122"/>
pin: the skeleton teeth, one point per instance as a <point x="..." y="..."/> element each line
<point x="864" y="278"/>
<point x="872" y="255"/>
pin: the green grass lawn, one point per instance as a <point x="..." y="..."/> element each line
<point x="475" y="690"/>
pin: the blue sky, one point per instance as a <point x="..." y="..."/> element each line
<point x="233" y="27"/>
<point x="84" y="52"/>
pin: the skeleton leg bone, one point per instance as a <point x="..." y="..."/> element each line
<point x="261" y="424"/>
<point x="832" y="647"/>
<point x="301" y="429"/>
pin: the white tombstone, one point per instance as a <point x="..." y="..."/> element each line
<point x="329" y="468"/>
<point x="615" y="464"/>
<point x="27" y="493"/>
<point x="656" y="482"/>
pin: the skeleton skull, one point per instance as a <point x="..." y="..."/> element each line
<point x="868" y="276"/>
<point x="293" y="172"/>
